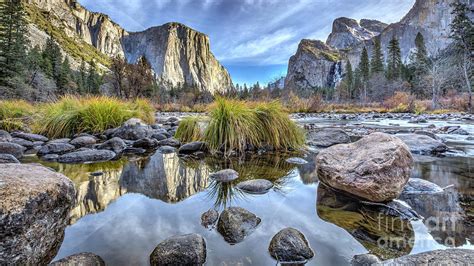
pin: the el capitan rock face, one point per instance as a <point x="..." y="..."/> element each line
<point x="178" y="54"/>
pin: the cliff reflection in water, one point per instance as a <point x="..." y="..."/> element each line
<point x="383" y="235"/>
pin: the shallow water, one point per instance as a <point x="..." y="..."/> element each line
<point x="125" y="211"/>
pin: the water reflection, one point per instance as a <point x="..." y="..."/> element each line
<point x="383" y="235"/>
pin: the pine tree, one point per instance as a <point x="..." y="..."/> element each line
<point x="81" y="78"/>
<point x="13" y="41"/>
<point x="93" y="81"/>
<point x="349" y="79"/>
<point x="64" y="77"/>
<point x="394" y="66"/>
<point x="462" y="33"/>
<point x="357" y="82"/>
<point x="364" y="67"/>
<point x="421" y="55"/>
<point x="377" y="58"/>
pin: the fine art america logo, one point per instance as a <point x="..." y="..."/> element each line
<point x="394" y="231"/>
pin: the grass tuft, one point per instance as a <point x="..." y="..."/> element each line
<point x="71" y="115"/>
<point x="189" y="130"/>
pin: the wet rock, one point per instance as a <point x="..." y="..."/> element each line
<point x="428" y="133"/>
<point x="365" y="260"/>
<point x="5" y="136"/>
<point x="193" y="147"/>
<point x="115" y="144"/>
<point x="296" y="160"/>
<point x="8" y="158"/>
<point x="209" y="218"/>
<point x="34" y="217"/>
<point x="255" y="186"/>
<point x="12" y="148"/>
<point x="146" y="143"/>
<point x="29" y="136"/>
<point x="422" y="144"/>
<point x="56" y="148"/>
<point x="328" y="137"/>
<point x="459" y="131"/>
<point x="187" y="249"/>
<point x="167" y="149"/>
<point x="375" y="168"/>
<point x="435" y="257"/>
<point x="87" y="156"/>
<point x="23" y="142"/>
<point x="63" y="140"/>
<point x="50" y="157"/>
<point x="159" y="136"/>
<point x="83" y="141"/>
<point x="225" y="175"/>
<point x="85" y="259"/>
<point x="417" y="120"/>
<point x="290" y="245"/>
<point x="169" y="142"/>
<point x="133" y="130"/>
<point x="236" y="223"/>
<point x="420" y="186"/>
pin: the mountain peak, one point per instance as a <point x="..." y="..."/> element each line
<point x="347" y="32"/>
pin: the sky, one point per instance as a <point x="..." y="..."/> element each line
<point x="253" y="39"/>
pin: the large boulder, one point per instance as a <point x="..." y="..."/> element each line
<point x="85" y="258"/>
<point x="328" y="137"/>
<point x="209" y="218"/>
<point x="55" y="148"/>
<point x="435" y="257"/>
<point x="236" y="223"/>
<point x="29" y="136"/>
<point x="83" y="141"/>
<point x="34" y="211"/>
<point x="8" y="158"/>
<point x="375" y="168"/>
<point x="12" y="148"/>
<point x="87" y="156"/>
<point x="422" y="144"/>
<point x="115" y="144"/>
<point x="133" y="129"/>
<point x="290" y="245"/>
<point x="187" y="249"/>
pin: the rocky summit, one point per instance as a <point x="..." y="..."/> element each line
<point x="347" y="32"/>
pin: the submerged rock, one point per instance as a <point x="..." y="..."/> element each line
<point x="34" y="211"/>
<point x="192" y="147"/>
<point x="209" y="218"/>
<point x="87" y="156"/>
<point x="375" y="168"/>
<point x="225" y="175"/>
<point x="83" y="141"/>
<point x="29" y="136"/>
<point x="50" y="157"/>
<point x="8" y="158"/>
<point x="187" y="249"/>
<point x="12" y="148"/>
<point x="422" y="144"/>
<point x="420" y="186"/>
<point x="236" y="223"/>
<point x="255" y="186"/>
<point x="296" y="160"/>
<point x="290" y="245"/>
<point x="365" y="260"/>
<point x="328" y="137"/>
<point x="115" y="144"/>
<point x="56" y="148"/>
<point x="435" y="257"/>
<point x="85" y="258"/>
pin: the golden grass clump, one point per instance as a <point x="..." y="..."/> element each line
<point x="189" y="130"/>
<point x="71" y="115"/>
<point x="14" y="114"/>
<point x="234" y="124"/>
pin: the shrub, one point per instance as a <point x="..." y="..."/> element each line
<point x="400" y="102"/>
<point x="71" y="115"/>
<point x="189" y="130"/>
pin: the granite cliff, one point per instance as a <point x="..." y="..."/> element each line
<point x="178" y="54"/>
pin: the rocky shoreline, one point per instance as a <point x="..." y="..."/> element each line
<point x="361" y="165"/>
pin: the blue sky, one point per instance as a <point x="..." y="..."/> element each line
<point x="253" y="39"/>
